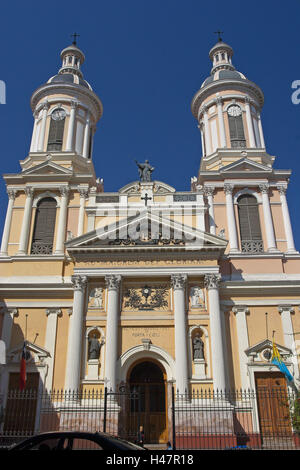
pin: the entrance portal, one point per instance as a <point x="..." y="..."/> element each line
<point x="272" y="400"/>
<point x="148" y="401"/>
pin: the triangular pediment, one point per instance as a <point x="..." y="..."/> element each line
<point x="246" y="165"/>
<point x="35" y="353"/>
<point x="267" y="345"/>
<point x="146" y="231"/>
<point x="47" y="168"/>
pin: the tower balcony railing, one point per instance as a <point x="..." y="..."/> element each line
<point x="41" y="248"/>
<point x="252" y="246"/>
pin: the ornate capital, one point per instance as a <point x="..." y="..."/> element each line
<point x="29" y="191"/>
<point x="282" y="189"/>
<point x="11" y="193"/>
<point x="285" y="308"/>
<point x="240" y="309"/>
<point x="54" y="311"/>
<point x="45" y="106"/>
<point x="74" y="104"/>
<point x="211" y="281"/>
<point x="228" y="188"/>
<point x="79" y="282"/>
<point x="219" y="100"/>
<point x="112" y="281"/>
<point x="178" y="281"/>
<point x="209" y="190"/>
<point x="247" y="99"/>
<point x="264" y="188"/>
<point x="84" y="192"/>
<point x="64" y="190"/>
<point x="12" y="311"/>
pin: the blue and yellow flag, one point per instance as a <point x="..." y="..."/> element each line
<point x="277" y="361"/>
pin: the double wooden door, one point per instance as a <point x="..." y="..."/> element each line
<point x="148" y="402"/>
<point x="273" y="404"/>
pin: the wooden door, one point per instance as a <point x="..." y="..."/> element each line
<point x="20" y="410"/>
<point x="273" y="404"/>
<point x="148" y="402"/>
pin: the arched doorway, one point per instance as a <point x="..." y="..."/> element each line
<point x="147" y="382"/>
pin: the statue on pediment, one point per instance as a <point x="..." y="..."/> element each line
<point x="145" y="170"/>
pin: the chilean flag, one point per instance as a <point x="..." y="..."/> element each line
<point x="23" y="368"/>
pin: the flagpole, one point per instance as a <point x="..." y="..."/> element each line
<point x="26" y="316"/>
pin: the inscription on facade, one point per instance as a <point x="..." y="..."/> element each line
<point x="147" y="332"/>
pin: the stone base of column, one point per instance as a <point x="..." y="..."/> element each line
<point x="273" y="250"/>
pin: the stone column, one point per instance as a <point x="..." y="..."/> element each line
<point x="249" y="122"/>
<point x="23" y="246"/>
<point x="288" y="334"/>
<point x="271" y="242"/>
<point x="207" y="135"/>
<point x="83" y="195"/>
<point x="178" y="282"/>
<point x="41" y="143"/>
<point x="232" y="232"/>
<point x="216" y="332"/>
<point x="7" y="225"/>
<point x="70" y="137"/>
<point x="50" y="341"/>
<point x="75" y="334"/>
<point x="62" y="221"/>
<point x="286" y="220"/>
<point x="260" y="130"/>
<point x="33" y="138"/>
<point x="209" y="191"/>
<point x="112" y="323"/>
<point x="243" y="341"/>
<point x="8" y="320"/>
<point x="86" y="138"/>
<point x="221" y="122"/>
<point x="200" y="127"/>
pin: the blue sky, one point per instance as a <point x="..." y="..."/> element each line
<point x="146" y="60"/>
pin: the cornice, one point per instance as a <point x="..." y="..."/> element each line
<point x="61" y="88"/>
<point x="223" y="85"/>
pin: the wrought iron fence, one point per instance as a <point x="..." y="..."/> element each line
<point x="30" y="412"/>
<point x="202" y="419"/>
<point x="240" y="419"/>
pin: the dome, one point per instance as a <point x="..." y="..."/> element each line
<point x="223" y="75"/>
<point x="70" y="78"/>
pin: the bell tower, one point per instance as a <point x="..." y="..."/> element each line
<point x="66" y="111"/>
<point x="228" y="108"/>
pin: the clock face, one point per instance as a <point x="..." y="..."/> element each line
<point x="234" y="110"/>
<point x="58" y="115"/>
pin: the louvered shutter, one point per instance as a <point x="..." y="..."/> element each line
<point x="44" y="225"/>
<point x="236" y="130"/>
<point x="249" y="218"/>
<point x="56" y="134"/>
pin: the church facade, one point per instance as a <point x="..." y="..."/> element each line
<point x="148" y="284"/>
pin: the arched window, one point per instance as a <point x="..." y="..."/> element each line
<point x="56" y="131"/>
<point x="236" y="127"/>
<point x="251" y="239"/>
<point x="43" y="234"/>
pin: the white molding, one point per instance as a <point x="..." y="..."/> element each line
<point x="128" y="358"/>
<point x="261" y="302"/>
<point x="252" y="192"/>
<point x="46" y="194"/>
<point x="148" y="271"/>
